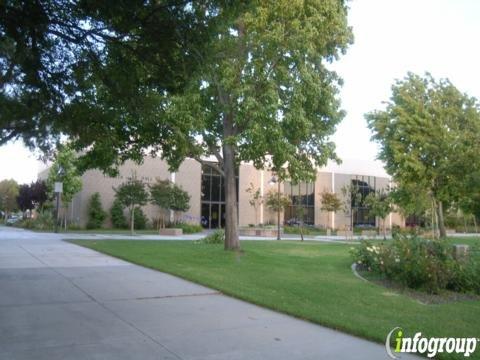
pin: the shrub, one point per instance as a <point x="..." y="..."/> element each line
<point x="74" y="227"/>
<point x="43" y="221"/>
<point x="307" y="230"/>
<point x="187" y="228"/>
<point x="140" y="220"/>
<point x="217" y="237"/>
<point x="117" y="216"/>
<point x="419" y="264"/>
<point x="96" y="214"/>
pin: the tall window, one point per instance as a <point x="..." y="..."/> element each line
<point x="302" y="203"/>
<point x="363" y="185"/>
<point x="213" y="198"/>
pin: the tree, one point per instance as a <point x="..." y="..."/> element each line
<point x="259" y="89"/>
<point x="130" y="195"/>
<point x="351" y="197"/>
<point x="429" y="136"/>
<point x="24" y="199"/>
<point x="255" y="200"/>
<point x="169" y="196"/>
<point x="180" y="199"/>
<point x="64" y="169"/>
<point x="96" y="214"/>
<point x="31" y="196"/>
<point x="116" y="215"/>
<point x="330" y="202"/>
<point x="50" y="49"/>
<point x="140" y="219"/>
<point x="379" y="204"/>
<point x="263" y="94"/>
<point x="469" y="201"/>
<point x="39" y="195"/>
<point x="8" y="196"/>
<point x="275" y="202"/>
<point x="160" y="195"/>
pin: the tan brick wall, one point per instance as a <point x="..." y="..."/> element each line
<point x="246" y="212"/>
<point x="189" y="178"/>
<point x="151" y="169"/>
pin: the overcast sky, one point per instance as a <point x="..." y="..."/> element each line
<point x="392" y="37"/>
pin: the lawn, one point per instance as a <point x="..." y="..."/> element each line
<point x="309" y="280"/>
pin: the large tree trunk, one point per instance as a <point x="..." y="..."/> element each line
<point x="441" y="222"/>
<point x="232" y="241"/>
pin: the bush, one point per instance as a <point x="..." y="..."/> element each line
<point x="43" y="221"/>
<point x="117" y="216"/>
<point x="307" y="230"/>
<point x="217" y="237"/>
<point x="74" y="227"/>
<point x="96" y="214"/>
<point x="140" y="220"/>
<point x="186" y="227"/>
<point x="419" y="264"/>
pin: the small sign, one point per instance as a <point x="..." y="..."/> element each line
<point x="58" y="187"/>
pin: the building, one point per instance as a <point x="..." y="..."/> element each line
<point x="207" y="203"/>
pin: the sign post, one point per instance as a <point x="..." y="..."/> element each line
<point x="58" y="189"/>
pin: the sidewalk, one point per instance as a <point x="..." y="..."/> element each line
<point x="62" y="301"/>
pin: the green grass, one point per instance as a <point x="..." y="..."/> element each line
<point x="312" y="281"/>
<point x="307" y="230"/>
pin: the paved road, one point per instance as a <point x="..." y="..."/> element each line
<point x="61" y="301"/>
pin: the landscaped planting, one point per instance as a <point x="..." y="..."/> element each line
<point x="419" y="263"/>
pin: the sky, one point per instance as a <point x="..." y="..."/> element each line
<point x="392" y="37"/>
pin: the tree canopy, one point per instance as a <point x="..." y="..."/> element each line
<point x="8" y="196"/>
<point x="52" y="50"/>
<point x="96" y="214"/>
<point x="130" y="195"/>
<point x="64" y="169"/>
<point x="429" y="136"/>
<point x="379" y="204"/>
<point x="237" y="80"/>
<point x="169" y="196"/>
<point x="31" y="196"/>
<point x="331" y="203"/>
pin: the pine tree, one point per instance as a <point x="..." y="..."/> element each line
<point x="96" y="214"/>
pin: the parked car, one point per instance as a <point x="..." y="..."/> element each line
<point x="13" y="219"/>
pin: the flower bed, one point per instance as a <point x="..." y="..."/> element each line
<point x="419" y="264"/>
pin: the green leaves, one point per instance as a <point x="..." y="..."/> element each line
<point x="64" y="169"/>
<point x="169" y="196"/>
<point x="379" y="203"/>
<point x="131" y="194"/>
<point x="428" y="135"/>
<point x="331" y="201"/>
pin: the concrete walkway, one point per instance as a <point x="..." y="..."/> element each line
<point x="62" y="301"/>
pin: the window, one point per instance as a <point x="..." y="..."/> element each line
<point x="302" y="199"/>
<point x="363" y="185"/>
<point x="213" y="198"/>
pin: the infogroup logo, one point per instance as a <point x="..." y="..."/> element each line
<point x="429" y="346"/>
